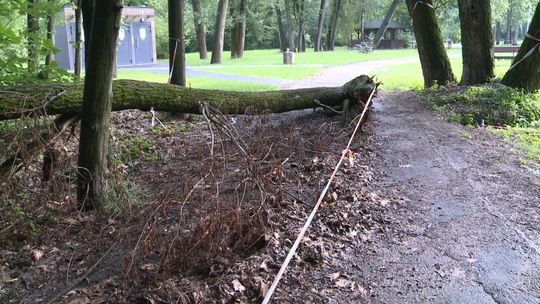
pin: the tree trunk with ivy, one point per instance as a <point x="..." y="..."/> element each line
<point x="477" y="41"/>
<point x="526" y="72"/>
<point x="96" y="105"/>
<point x="436" y="66"/>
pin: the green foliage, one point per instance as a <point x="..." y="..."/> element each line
<point x="492" y="105"/>
<point x="14" y="41"/>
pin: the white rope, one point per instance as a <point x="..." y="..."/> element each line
<point x="304" y="229"/>
<point x="530" y="52"/>
<point x="422" y="2"/>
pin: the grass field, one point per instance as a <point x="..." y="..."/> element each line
<point x="197" y="82"/>
<point x="409" y="75"/>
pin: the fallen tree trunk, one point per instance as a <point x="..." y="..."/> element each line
<point x="131" y="94"/>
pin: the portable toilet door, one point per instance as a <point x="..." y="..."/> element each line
<point x="124" y="51"/>
<point x="142" y="34"/>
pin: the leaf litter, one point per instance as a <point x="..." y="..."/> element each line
<point x="189" y="226"/>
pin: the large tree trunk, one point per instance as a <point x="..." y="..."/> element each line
<point x="281" y="30"/>
<point x="96" y="105"/>
<point x="525" y="73"/>
<point x="177" y="58"/>
<point x="384" y="24"/>
<point x="332" y="26"/>
<point x="50" y="34"/>
<point x="436" y="66"/>
<point x="290" y="31"/>
<point x="219" y="32"/>
<point x="199" y="28"/>
<point x="320" y="26"/>
<point x="32" y="21"/>
<point x="78" y="40"/>
<point x="238" y="31"/>
<point x="132" y="94"/>
<point x="477" y="41"/>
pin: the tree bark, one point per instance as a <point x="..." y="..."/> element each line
<point x="133" y="94"/>
<point x="509" y="18"/>
<point x="320" y="26"/>
<point x="331" y="35"/>
<point x="436" y="66"/>
<point x="199" y="28"/>
<point x="78" y="40"/>
<point x="526" y="74"/>
<point x="384" y="24"/>
<point x="219" y="32"/>
<point x="290" y="31"/>
<point x="238" y="31"/>
<point x="301" y="27"/>
<point x="281" y="30"/>
<point x="477" y="41"/>
<point x="96" y="105"/>
<point x="88" y="10"/>
<point x="32" y="21"/>
<point x="49" y="58"/>
<point x="177" y="58"/>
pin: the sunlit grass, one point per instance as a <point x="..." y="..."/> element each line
<point x="409" y="75"/>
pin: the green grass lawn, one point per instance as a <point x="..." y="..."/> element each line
<point x="197" y="82"/>
<point x="409" y="75"/>
<point x="287" y="72"/>
<point x="341" y="55"/>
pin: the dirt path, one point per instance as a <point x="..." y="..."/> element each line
<point x="469" y="230"/>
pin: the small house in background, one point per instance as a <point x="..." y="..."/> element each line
<point x="392" y="36"/>
<point x="136" y="39"/>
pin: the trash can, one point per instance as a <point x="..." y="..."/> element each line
<point x="288" y="57"/>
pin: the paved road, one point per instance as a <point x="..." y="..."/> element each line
<point x="469" y="230"/>
<point x="163" y="68"/>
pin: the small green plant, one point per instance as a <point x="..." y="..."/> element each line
<point x="466" y="134"/>
<point x="123" y="194"/>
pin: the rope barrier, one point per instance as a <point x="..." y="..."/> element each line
<point x="530" y="52"/>
<point x="422" y="2"/>
<point x="171" y="67"/>
<point x="304" y="229"/>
